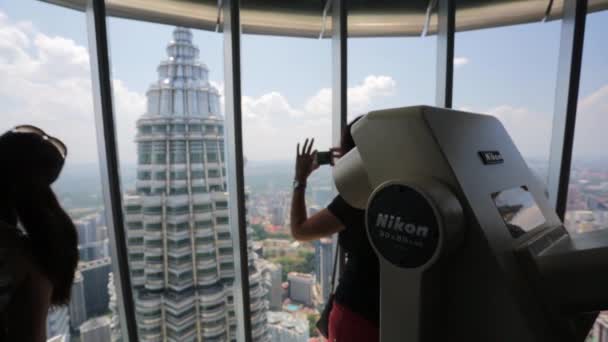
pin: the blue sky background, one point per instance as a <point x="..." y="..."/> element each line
<point x="509" y="72"/>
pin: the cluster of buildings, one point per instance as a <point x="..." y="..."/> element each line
<point x="587" y="200"/>
<point x="271" y="208"/>
<point x="599" y="333"/>
<point x="91" y="293"/>
<point x="587" y="210"/>
<point x="285" y="327"/>
<point x="293" y="299"/>
<point x="272" y="248"/>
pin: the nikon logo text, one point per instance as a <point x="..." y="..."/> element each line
<point x="395" y="223"/>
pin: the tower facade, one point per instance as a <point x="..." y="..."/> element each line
<point x="179" y="236"/>
<point x="77" y="307"/>
<point x="326" y="266"/>
<point x="115" y="331"/>
<point x="95" y="330"/>
<point x="58" y="323"/>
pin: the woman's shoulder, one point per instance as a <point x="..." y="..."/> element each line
<point x="341" y="209"/>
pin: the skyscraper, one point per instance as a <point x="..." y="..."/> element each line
<point x="95" y="276"/>
<point x="116" y="333"/>
<point x="87" y="229"/>
<point x="77" y="307"/>
<point x="94" y="250"/>
<point x="326" y="265"/>
<point x="58" y="323"/>
<point x="285" y="327"/>
<point x="179" y="236"/>
<point x="272" y="274"/>
<point x="301" y="287"/>
<point x="95" y="330"/>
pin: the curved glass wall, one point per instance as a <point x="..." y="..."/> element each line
<point x="46" y="82"/>
<point x="168" y="84"/>
<point x="286" y="98"/>
<point x="390" y="72"/>
<point x="510" y="73"/>
<point x="587" y="207"/>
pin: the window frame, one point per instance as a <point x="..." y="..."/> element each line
<point x="570" y="59"/>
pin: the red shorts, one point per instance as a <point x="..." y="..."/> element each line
<point x="348" y="326"/>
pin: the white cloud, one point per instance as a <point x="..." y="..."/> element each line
<point x="320" y="104"/>
<point x="128" y="107"/>
<point x="529" y="130"/>
<point x="590" y="139"/>
<point x="46" y="82"/>
<point x="272" y="126"/>
<point x="460" y="61"/>
<point x="361" y="96"/>
<point x="267" y="106"/>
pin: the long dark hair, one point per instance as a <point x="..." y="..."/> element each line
<point x="347" y="142"/>
<point x="29" y="165"/>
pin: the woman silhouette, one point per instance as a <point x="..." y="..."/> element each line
<point x="38" y="241"/>
<point x="355" y="314"/>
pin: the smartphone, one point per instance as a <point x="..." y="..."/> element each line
<point x="323" y="158"/>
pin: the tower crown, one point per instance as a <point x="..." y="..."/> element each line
<point x="182" y="87"/>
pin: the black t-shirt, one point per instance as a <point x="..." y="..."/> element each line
<point x="359" y="286"/>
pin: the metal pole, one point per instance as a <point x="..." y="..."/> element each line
<point x="340" y="86"/>
<point x="108" y="162"/>
<point x="234" y="154"/>
<point x="566" y="100"/>
<point x="339" y="69"/>
<point x="446" y="18"/>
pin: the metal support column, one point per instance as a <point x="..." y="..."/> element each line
<point x="446" y="18"/>
<point x="566" y="100"/>
<point x="108" y="162"/>
<point x="234" y="154"/>
<point x="339" y="43"/>
<point x="339" y="69"/>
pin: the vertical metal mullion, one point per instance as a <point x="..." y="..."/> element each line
<point x="566" y="100"/>
<point x="339" y="41"/>
<point x="108" y="161"/>
<point x="446" y="18"/>
<point x="234" y="153"/>
<point x="339" y="69"/>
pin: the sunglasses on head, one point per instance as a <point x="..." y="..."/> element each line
<point x="60" y="146"/>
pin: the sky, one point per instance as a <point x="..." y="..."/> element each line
<point x="509" y="72"/>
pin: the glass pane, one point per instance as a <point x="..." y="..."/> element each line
<point x="171" y="140"/>
<point x="286" y="99"/>
<point x="46" y="82"/>
<point x="390" y="72"/>
<point x="587" y="207"/>
<point x="510" y="73"/>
